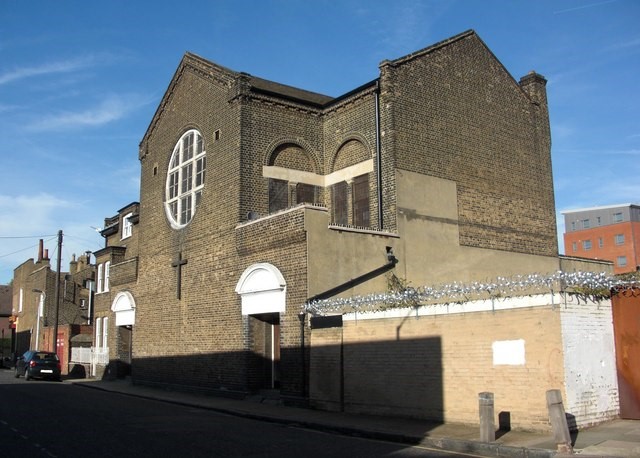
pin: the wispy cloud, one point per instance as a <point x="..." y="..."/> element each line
<point x="110" y="109"/>
<point x="25" y="218"/>
<point x="29" y="214"/>
<point x="582" y="7"/>
<point x="65" y="66"/>
<point x="634" y="43"/>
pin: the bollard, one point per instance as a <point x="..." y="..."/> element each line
<point x="558" y="420"/>
<point x="487" y="422"/>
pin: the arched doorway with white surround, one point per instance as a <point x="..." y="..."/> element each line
<point x="262" y="290"/>
<point x="124" y="309"/>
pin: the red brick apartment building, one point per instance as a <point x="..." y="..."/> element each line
<point x="611" y="233"/>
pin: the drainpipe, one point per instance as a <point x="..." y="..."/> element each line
<point x="378" y="157"/>
<point x="303" y="390"/>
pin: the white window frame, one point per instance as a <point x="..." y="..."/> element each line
<point x="617" y="217"/>
<point x="185" y="179"/>
<point x="619" y="239"/>
<point x="105" y="332"/>
<point x="107" y="268"/>
<point x="127" y="226"/>
<point x="98" y="333"/>
<point x="621" y="261"/>
<point x="586" y="245"/>
<point x="99" y="283"/>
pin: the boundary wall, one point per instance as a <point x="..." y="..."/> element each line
<point x="431" y="362"/>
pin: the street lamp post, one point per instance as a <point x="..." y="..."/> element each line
<point x="43" y="296"/>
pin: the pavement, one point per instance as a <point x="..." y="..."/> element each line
<point x="617" y="438"/>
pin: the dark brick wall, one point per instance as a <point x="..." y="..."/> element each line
<point x="458" y="115"/>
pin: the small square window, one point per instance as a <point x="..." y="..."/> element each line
<point x="619" y="238"/>
<point x="216" y="135"/>
<point x="586" y="224"/>
<point x="586" y="245"/>
<point x="617" y="217"/>
<point x="621" y="261"/>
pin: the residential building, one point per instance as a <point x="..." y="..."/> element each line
<point x="609" y="232"/>
<point x="6" y="323"/>
<point x="116" y="273"/>
<point x="38" y="314"/>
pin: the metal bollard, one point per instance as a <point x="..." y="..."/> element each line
<point x="487" y="421"/>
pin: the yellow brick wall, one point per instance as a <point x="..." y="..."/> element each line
<point x="435" y="366"/>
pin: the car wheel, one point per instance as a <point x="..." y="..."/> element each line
<point x="27" y="377"/>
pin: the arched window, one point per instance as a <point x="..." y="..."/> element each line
<point x="350" y="199"/>
<point x="282" y="194"/>
<point x="185" y="179"/>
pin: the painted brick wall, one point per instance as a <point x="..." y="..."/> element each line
<point x="590" y="362"/>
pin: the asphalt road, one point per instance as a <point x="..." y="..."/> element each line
<point x="54" y="419"/>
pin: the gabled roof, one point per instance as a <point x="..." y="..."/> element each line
<point x="261" y="86"/>
<point x="228" y="77"/>
<point x="288" y="92"/>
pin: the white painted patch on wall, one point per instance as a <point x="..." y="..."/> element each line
<point x="508" y="352"/>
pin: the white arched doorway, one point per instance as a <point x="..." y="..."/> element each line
<point x="262" y="290"/>
<point x="124" y="308"/>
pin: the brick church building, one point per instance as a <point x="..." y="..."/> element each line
<point x="256" y="197"/>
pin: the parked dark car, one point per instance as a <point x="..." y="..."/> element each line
<point x="38" y="364"/>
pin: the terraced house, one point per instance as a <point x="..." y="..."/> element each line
<point x="257" y="198"/>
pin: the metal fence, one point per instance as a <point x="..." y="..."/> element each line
<point x="90" y="355"/>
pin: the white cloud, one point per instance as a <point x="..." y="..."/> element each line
<point x="111" y="109"/>
<point x="26" y="218"/>
<point x="27" y="215"/>
<point x="66" y="66"/>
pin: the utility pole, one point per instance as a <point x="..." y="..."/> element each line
<point x="59" y="263"/>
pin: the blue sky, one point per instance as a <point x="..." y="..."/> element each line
<point x="80" y="81"/>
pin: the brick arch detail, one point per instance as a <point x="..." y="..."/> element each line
<point x="276" y="147"/>
<point x="341" y="157"/>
